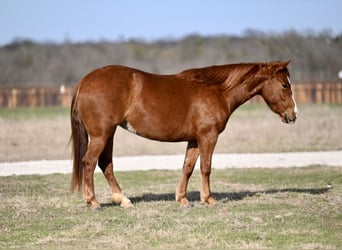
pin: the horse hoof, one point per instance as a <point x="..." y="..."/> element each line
<point x="126" y="205"/>
<point x="211" y="202"/>
<point x="186" y="206"/>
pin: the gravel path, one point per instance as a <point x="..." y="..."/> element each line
<point x="174" y="162"/>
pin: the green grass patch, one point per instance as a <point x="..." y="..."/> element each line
<point x="258" y="208"/>
<point x="23" y="113"/>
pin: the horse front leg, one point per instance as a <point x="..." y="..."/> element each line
<point x="191" y="156"/>
<point x="206" y="148"/>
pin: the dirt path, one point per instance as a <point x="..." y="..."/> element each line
<point x="174" y="162"/>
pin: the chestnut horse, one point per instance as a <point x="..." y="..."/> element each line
<point x="193" y="106"/>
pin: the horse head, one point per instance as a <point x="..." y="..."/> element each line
<point x="277" y="91"/>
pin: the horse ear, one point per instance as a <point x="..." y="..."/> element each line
<point x="286" y="63"/>
<point x="282" y="66"/>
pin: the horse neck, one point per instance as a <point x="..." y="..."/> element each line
<point x="237" y="89"/>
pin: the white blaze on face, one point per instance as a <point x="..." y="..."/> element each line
<point x="295" y="107"/>
<point x="288" y="79"/>
<point x="294" y="101"/>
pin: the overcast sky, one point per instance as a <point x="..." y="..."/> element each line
<point x="85" y="20"/>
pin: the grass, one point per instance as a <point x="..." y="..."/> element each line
<point x="258" y="208"/>
<point x="23" y="113"/>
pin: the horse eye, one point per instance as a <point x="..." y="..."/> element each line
<point x="286" y="85"/>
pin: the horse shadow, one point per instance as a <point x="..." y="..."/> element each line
<point x="221" y="196"/>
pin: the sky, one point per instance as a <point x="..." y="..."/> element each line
<point x="111" y="20"/>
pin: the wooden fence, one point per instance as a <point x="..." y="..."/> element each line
<point x="318" y="93"/>
<point x="35" y="97"/>
<point x="61" y="96"/>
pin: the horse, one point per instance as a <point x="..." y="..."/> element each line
<point x="192" y="106"/>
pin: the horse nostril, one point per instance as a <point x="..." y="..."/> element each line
<point x="287" y="119"/>
<point x="294" y="117"/>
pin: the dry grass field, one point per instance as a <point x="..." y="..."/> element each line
<point x="36" y="134"/>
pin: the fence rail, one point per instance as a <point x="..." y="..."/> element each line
<point x="61" y="96"/>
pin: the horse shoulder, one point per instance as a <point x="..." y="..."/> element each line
<point x="209" y="105"/>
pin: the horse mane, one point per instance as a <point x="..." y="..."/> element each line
<point x="228" y="75"/>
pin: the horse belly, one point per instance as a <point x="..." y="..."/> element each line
<point x="164" y="124"/>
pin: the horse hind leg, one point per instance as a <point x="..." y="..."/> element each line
<point x="106" y="165"/>
<point x="95" y="148"/>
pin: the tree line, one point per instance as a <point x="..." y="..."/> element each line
<point x="315" y="57"/>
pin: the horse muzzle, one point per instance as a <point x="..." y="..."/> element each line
<point x="289" y="118"/>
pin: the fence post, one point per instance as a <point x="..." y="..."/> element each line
<point x="319" y="94"/>
<point x="32" y="97"/>
<point x="13" y="99"/>
<point x="339" y="93"/>
<point x="65" y="96"/>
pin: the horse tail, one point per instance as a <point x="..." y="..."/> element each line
<point x="79" y="140"/>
